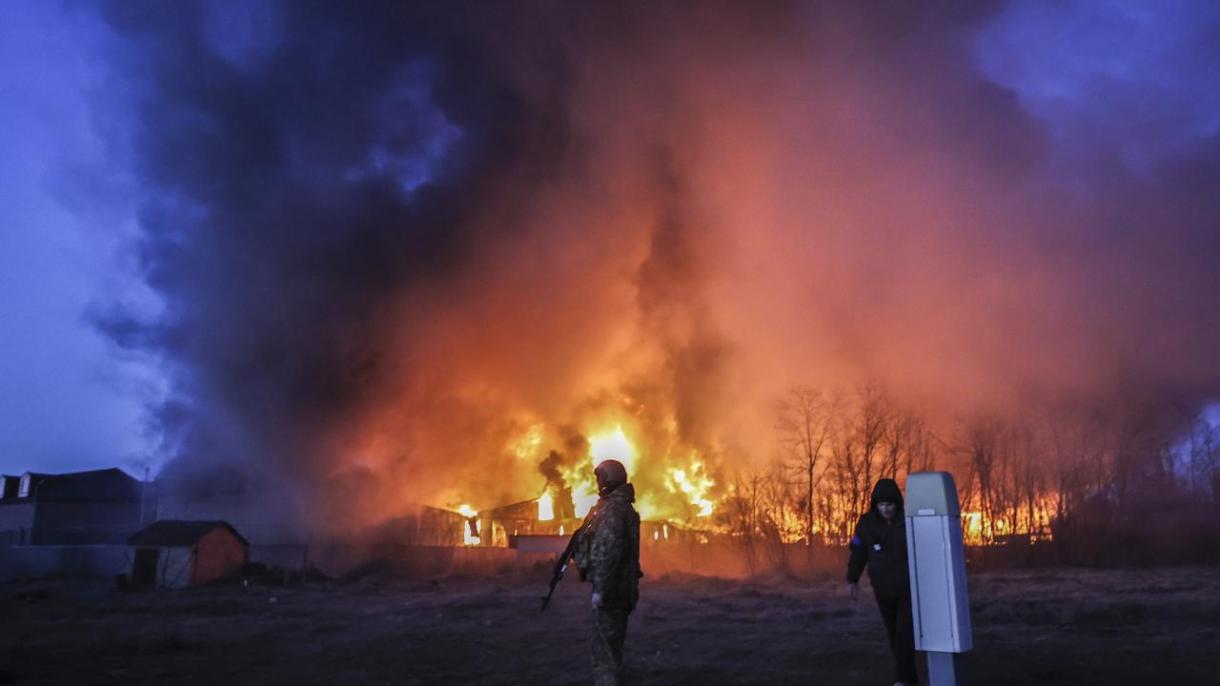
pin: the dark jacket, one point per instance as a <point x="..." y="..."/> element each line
<point x="609" y="552"/>
<point x="881" y="545"/>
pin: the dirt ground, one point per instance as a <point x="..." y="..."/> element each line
<point x="1031" y="627"/>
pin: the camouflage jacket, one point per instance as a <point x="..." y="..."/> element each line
<point x="608" y="552"/>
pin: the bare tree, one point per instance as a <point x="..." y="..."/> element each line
<point x="1002" y="474"/>
<point x="741" y="513"/>
<point x="762" y="512"/>
<point x="858" y="442"/>
<point x="803" y="429"/>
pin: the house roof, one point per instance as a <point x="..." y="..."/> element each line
<point x="10" y="486"/>
<point x="175" y="533"/>
<point x="99" y="485"/>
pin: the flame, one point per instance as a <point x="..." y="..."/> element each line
<point x="525" y="446"/>
<point x="584" y="496"/>
<point x="972" y="526"/>
<point x="689" y="486"/>
<point x="608" y="445"/>
<point x="694" y="484"/>
<point x="468" y="537"/>
<point x="546" y="507"/>
<point x="1033" y="523"/>
<point x="579" y="478"/>
<point x="613" y="445"/>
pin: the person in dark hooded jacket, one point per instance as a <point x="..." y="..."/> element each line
<point x="880" y="543"/>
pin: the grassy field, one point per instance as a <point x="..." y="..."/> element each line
<point x="1065" y="626"/>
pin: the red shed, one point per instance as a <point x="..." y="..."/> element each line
<point x="177" y="553"/>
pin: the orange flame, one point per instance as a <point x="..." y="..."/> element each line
<point x="468" y="537"/>
<point x="546" y="507"/>
<point x="613" y="445"/>
<point x="694" y="483"/>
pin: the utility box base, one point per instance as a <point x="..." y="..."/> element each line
<point x="946" y="669"/>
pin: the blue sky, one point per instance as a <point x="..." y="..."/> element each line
<point x="1139" y="77"/>
<point x="66" y="401"/>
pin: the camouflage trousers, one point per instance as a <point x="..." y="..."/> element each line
<point x="609" y="632"/>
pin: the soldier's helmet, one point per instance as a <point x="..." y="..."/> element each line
<point x="610" y="474"/>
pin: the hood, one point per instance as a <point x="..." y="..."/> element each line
<point x="625" y="492"/>
<point x="887" y="490"/>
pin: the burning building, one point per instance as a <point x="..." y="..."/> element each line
<point x="569" y="489"/>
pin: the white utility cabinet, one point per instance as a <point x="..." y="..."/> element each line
<point x="935" y="553"/>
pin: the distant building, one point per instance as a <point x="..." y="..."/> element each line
<point x="177" y="553"/>
<point x="94" y="507"/>
<point x="16" y="518"/>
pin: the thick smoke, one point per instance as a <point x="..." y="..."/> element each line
<point x="392" y="238"/>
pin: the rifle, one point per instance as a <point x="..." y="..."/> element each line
<point x="561" y="564"/>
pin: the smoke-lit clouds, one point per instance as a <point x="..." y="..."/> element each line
<point x="391" y="238"/>
<point x="1120" y="79"/>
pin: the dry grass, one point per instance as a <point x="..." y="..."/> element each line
<point x="1048" y="627"/>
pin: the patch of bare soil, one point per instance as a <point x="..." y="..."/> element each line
<point x="1066" y="626"/>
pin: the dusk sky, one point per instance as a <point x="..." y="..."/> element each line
<point x="1095" y="82"/>
<point x="67" y="401"/>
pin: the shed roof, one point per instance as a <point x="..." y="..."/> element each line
<point x="178" y="532"/>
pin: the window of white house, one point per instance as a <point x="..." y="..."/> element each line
<point x="23" y="491"/>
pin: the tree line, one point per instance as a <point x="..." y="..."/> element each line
<point x="1036" y="475"/>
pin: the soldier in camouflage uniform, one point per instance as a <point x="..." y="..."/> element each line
<point x="608" y="555"/>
